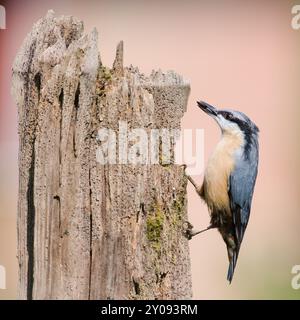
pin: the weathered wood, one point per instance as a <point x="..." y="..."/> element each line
<point x="88" y="230"/>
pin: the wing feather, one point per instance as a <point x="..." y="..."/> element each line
<point x="240" y="190"/>
<point x="241" y="187"/>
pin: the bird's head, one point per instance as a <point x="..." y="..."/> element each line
<point x="230" y="121"/>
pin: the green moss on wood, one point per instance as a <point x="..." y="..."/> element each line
<point x="155" y="223"/>
<point x="104" y="79"/>
<point x="178" y="206"/>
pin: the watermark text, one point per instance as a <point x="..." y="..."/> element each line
<point x="2" y="278"/>
<point x="296" y="279"/>
<point x="2" y="17"/>
<point x="140" y="146"/>
<point x="296" y="18"/>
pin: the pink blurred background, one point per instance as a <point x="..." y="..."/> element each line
<point x="238" y="54"/>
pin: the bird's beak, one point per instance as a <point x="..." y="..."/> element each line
<point x="207" y="108"/>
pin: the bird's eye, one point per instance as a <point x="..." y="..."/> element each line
<point x="228" y="116"/>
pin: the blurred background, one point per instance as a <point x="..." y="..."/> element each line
<point x="238" y="54"/>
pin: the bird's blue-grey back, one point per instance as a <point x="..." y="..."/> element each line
<point x="241" y="186"/>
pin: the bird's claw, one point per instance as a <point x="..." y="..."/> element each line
<point x="187" y="230"/>
<point x="188" y="234"/>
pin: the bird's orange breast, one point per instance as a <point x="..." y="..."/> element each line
<point x="219" y="167"/>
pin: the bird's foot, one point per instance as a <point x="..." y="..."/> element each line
<point x="189" y="231"/>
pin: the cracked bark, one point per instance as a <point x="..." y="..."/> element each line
<point x="86" y="230"/>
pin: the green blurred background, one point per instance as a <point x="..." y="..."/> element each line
<point x="239" y="54"/>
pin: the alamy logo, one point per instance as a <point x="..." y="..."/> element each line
<point x="2" y="278"/>
<point x="296" y="18"/>
<point x="139" y="146"/>
<point x="2" y="17"/>
<point x="296" y="279"/>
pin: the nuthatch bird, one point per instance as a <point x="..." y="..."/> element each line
<point x="229" y="179"/>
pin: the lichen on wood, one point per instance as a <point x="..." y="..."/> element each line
<point x="88" y="230"/>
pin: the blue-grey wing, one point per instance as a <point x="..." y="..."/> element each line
<point x="241" y="186"/>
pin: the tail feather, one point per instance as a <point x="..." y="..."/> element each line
<point x="233" y="256"/>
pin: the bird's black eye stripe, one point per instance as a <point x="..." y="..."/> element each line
<point x="227" y="115"/>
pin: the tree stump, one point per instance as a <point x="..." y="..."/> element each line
<point x="88" y="230"/>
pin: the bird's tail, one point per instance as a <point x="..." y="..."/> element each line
<point x="233" y="253"/>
